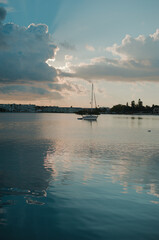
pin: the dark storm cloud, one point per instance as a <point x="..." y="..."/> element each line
<point x="22" y="88"/>
<point x="23" y="53"/>
<point x="28" y="91"/>
<point x="23" y="68"/>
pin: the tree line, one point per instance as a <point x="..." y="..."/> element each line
<point x="134" y="108"/>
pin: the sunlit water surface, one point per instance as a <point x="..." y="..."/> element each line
<point x="62" y="178"/>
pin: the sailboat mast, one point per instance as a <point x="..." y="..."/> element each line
<point x="95" y="101"/>
<point x="92" y="98"/>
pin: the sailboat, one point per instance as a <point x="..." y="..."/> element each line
<point x="91" y="116"/>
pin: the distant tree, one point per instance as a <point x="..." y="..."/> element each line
<point x="133" y="104"/>
<point x="118" y="109"/>
<point x="140" y="103"/>
<point x="2" y="110"/>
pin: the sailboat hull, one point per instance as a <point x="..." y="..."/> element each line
<point x="90" y="117"/>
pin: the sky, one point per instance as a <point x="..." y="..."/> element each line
<point x="51" y="51"/>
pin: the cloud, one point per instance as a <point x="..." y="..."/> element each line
<point x="10" y="89"/>
<point x="24" y="52"/>
<point x="32" y="91"/>
<point x="66" y="45"/>
<point x="90" y="48"/>
<point x="138" y="49"/>
<point x="27" y="55"/>
<point x="136" y="59"/>
<point x="66" y="86"/>
<point x="68" y="57"/>
<point x="61" y="86"/>
<point x="111" y="70"/>
<point x="3" y="13"/>
<point x="6" y="9"/>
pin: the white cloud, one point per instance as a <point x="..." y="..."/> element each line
<point x="90" y="48"/>
<point x="136" y="59"/>
<point x="68" y="57"/>
<point x="140" y="48"/>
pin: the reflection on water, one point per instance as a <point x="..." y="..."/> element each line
<point x="66" y="179"/>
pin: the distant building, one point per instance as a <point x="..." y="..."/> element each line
<point x="17" y="107"/>
<point x="45" y="109"/>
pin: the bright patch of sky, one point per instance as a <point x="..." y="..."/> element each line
<point x="84" y="31"/>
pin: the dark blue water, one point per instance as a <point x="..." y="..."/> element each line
<point x="61" y="178"/>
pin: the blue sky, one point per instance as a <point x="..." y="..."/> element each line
<point x="92" y="41"/>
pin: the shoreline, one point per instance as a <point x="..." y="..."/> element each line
<point x="126" y="114"/>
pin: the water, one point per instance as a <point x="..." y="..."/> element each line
<point x="62" y="178"/>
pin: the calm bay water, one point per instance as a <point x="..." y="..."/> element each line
<point x="62" y="178"/>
